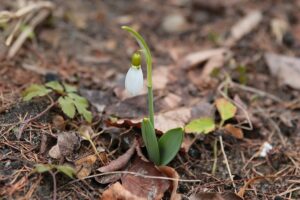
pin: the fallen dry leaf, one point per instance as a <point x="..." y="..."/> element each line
<point x="243" y="27"/>
<point x="285" y="68"/>
<point x="215" y="196"/>
<point x="121" y="161"/>
<point x="145" y="187"/>
<point x="136" y="107"/>
<point x="171" y="172"/>
<point x="193" y="59"/>
<point x="84" y="166"/>
<point x="172" y="119"/>
<point x="234" y="131"/>
<point x="118" y="192"/>
<point x="67" y="142"/>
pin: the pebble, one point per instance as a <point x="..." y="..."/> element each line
<point x="174" y="23"/>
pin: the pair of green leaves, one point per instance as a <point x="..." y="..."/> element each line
<point x="161" y="151"/>
<point x="65" y="169"/>
<point x="206" y="125"/>
<point x="69" y="101"/>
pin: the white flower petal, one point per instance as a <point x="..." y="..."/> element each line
<point x="134" y="80"/>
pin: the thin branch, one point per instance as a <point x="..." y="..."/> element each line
<point x="26" y="122"/>
<point x="226" y="161"/>
<point x="54" y="184"/>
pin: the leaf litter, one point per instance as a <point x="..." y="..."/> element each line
<point x="96" y="65"/>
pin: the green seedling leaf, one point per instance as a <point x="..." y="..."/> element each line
<point x="150" y="141"/>
<point x="201" y="125"/>
<point x="41" y="168"/>
<point x="226" y="109"/>
<point x="67" y="106"/>
<point x="55" y="86"/>
<point x="79" y="99"/>
<point x="35" y="91"/>
<point x="69" y="88"/>
<point x="67" y="170"/>
<point x="169" y="144"/>
<point x="81" y="105"/>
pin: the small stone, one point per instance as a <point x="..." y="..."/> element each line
<point x="174" y="23"/>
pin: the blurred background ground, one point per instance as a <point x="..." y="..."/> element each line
<point x="81" y="43"/>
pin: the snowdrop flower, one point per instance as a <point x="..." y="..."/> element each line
<point x="134" y="78"/>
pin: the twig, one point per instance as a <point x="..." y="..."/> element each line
<point x="214" y="168"/>
<point x="54" y="184"/>
<point x="274" y="125"/>
<point x="257" y="91"/>
<point x="26" y="122"/>
<point x="226" y="161"/>
<point x="289" y="191"/>
<point x="26" y="33"/>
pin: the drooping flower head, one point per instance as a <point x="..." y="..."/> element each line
<point x="134" y="78"/>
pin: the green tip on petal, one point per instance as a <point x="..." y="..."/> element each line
<point x="136" y="59"/>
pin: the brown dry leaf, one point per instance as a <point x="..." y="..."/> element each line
<point x="118" y="192"/>
<point x="178" y="117"/>
<point x="234" y="131"/>
<point x="58" y="122"/>
<point x="84" y="166"/>
<point x="67" y="142"/>
<point x="171" y="172"/>
<point x="202" y="77"/>
<point x="193" y="59"/>
<point x="243" y="27"/>
<point x="215" y="196"/>
<point x="121" y="161"/>
<point x="285" y="68"/>
<point x="135" y="107"/>
<point x="145" y="188"/>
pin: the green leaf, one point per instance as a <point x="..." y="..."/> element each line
<point x="226" y="109"/>
<point x="169" y="145"/>
<point x="201" y="125"/>
<point x="69" y="88"/>
<point x="41" y="168"/>
<point x="35" y="91"/>
<point x="150" y="141"/>
<point x="66" y="169"/>
<point x="79" y="99"/>
<point x="67" y="106"/>
<point x="81" y="105"/>
<point x="55" y="85"/>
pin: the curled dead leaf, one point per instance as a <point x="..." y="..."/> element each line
<point x="84" y="166"/>
<point x="234" y="131"/>
<point x="145" y="187"/>
<point x="121" y="161"/>
<point x="118" y="192"/>
<point x="171" y="172"/>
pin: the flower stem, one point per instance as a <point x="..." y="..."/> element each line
<point x="147" y="54"/>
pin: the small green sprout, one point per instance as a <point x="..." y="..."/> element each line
<point x="69" y="101"/>
<point x="65" y="169"/>
<point x="161" y="151"/>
